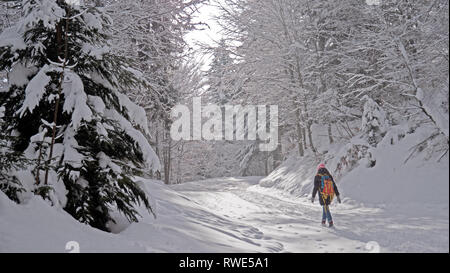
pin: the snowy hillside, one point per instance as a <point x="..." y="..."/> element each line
<point x="392" y="180"/>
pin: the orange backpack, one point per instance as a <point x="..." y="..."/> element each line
<point x="326" y="187"/>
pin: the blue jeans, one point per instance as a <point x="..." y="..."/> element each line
<point x="326" y="214"/>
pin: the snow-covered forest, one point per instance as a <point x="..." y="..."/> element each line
<point x="88" y="155"/>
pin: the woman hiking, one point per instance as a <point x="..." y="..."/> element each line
<point x="324" y="184"/>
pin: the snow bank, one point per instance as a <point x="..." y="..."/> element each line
<point x="38" y="227"/>
<point x="295" y="176"/>
<point x="182" y="225"/>
<point x="391" y="181"/>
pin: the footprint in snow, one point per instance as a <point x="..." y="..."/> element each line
<point x="276" y="247"/>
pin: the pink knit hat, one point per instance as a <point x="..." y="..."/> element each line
<point x="321" y="166"/>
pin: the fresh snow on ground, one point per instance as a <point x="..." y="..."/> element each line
<point x="227" y="215"/>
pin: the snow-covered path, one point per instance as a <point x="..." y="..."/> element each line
<point x="277" y="222"/>
<point x="228" y="215"/>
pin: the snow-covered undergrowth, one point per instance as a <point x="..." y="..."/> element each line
<point x="381" y="175"/>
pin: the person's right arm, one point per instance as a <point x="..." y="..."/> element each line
<point x="338" y="195"/>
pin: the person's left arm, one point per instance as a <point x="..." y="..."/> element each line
<point x="335" y="186"/>
<point x="336" y="190"/>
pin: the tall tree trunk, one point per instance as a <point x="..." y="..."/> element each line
<point x="300" y="129"/>
<point x="301" y="151"/>
<point x="157" y="140"/>
<point x="304" y="138"/>
<point x="330" y="135"/>
<point x="277" y="154"/>
<point x="308" y="128"/>
<point x="310" y="137"/>
<point x="180" y="157"/>
<point x="167" y="153"/>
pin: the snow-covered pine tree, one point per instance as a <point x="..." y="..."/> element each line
<point x="9" y="161"/>
<point x="61" y="69"/>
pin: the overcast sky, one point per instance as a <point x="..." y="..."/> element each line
<point x="209" y="33"/>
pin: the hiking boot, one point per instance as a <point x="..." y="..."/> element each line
<point x="331" y="224"/>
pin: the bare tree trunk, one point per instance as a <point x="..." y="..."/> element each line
<point x="304" y="138"/>
<point x="310" y="137"/>
<point x="167" y="154"/>
<point x="301" y="151"/>
<point x="157" y="148"/>
<point x="308" y="128"/>
<point x="158" y="141"/>
<point x="266" y="163"/>
<point x="300" y="130"/>
<point x="277" y="154"/>
<point x="330" y="135"/>
<point x="180" y="156"/>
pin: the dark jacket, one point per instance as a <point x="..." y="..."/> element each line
<point x="317" y="182"/>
